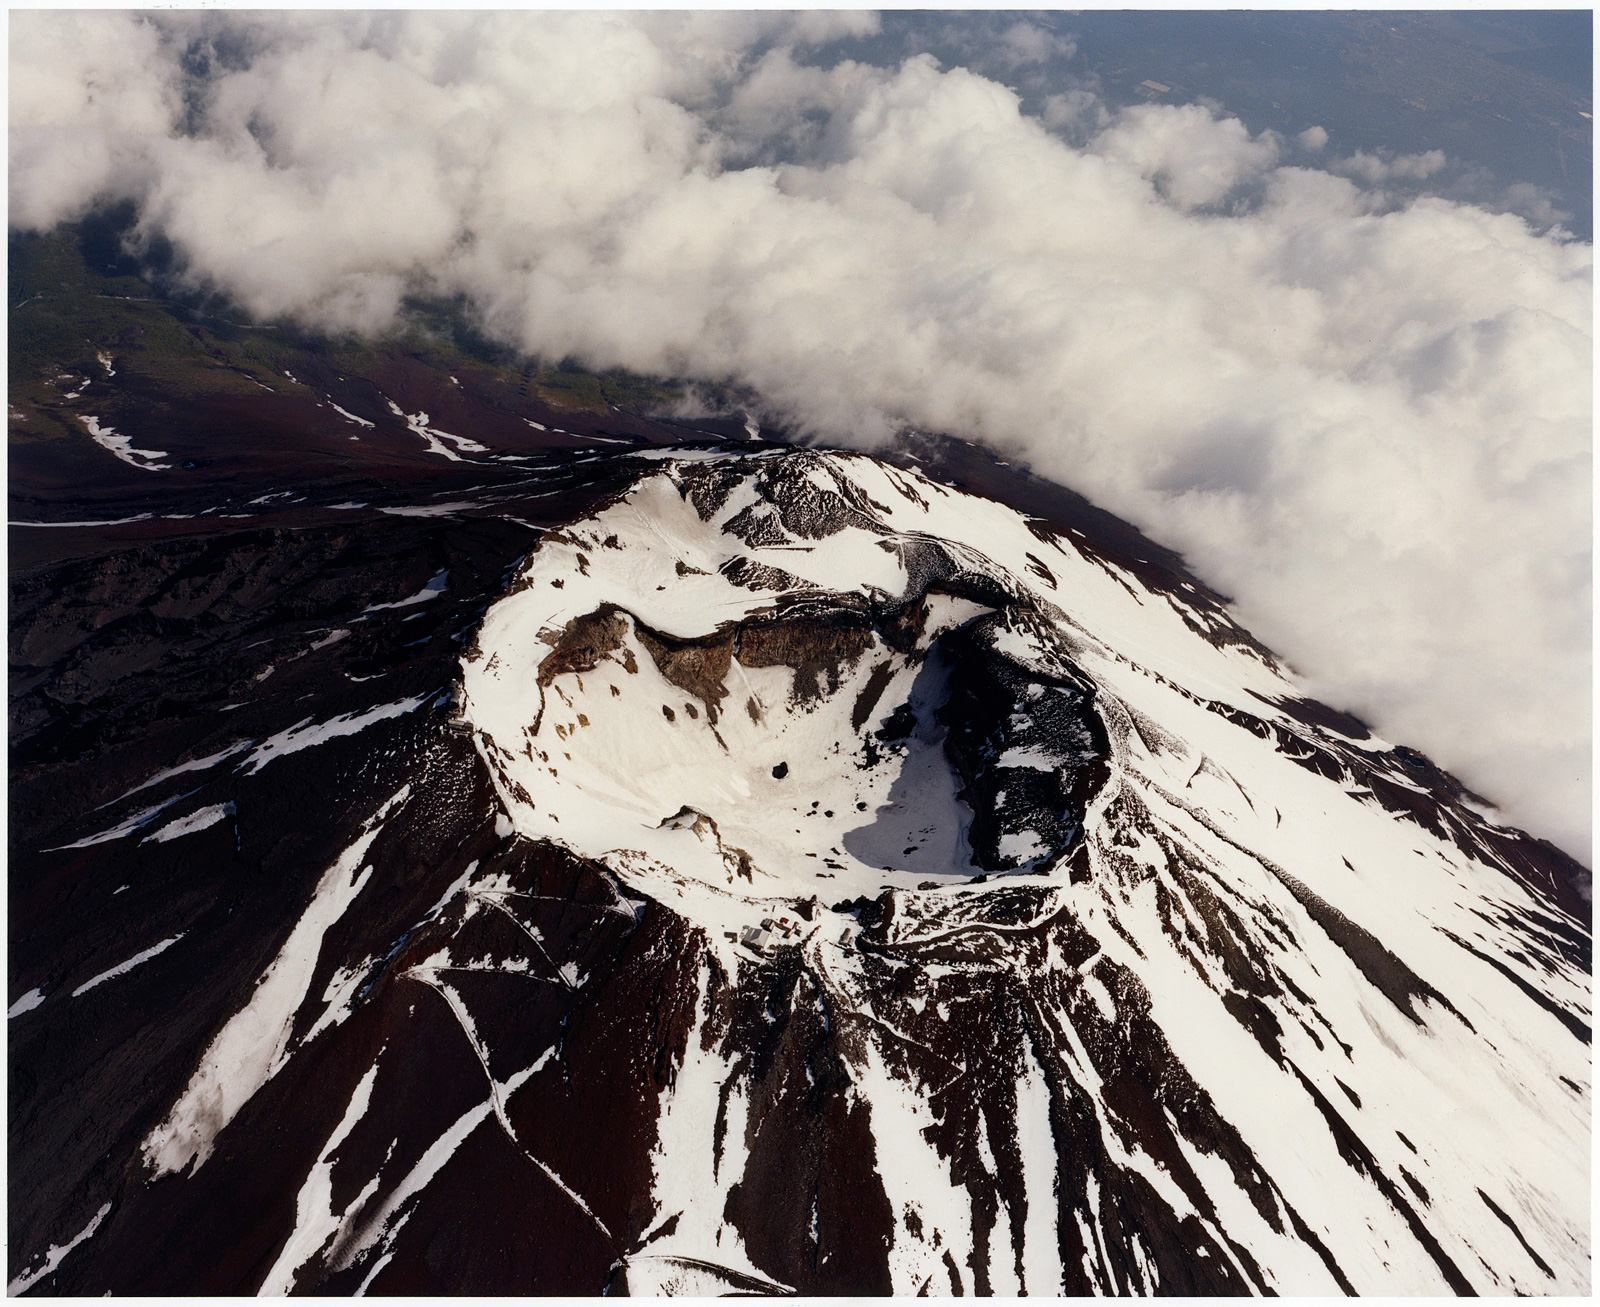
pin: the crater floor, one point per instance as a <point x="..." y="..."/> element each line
<point x="753" y="685"/>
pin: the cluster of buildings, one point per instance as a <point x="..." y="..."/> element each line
<point x="770" y="932"/>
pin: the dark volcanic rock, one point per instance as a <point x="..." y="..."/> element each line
<point x="303" y="999"/>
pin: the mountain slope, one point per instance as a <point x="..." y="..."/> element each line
<point x="1253" y="1013"/>
<point x="1100" y="959"/>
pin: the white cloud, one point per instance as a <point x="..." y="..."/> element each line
<point x="1024" y="44"/>
<point x="1195" y="157"/>
<point x="86" y="96"/>
<point x="1313" y="139"/>
<point x="1075" y="113"/>
<point x="1370" y="423"/>
<point x="1383" y="166"/>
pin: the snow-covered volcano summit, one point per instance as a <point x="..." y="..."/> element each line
<point x="787" y="688"/>
<point x="1123" y="966"/>
<point x="748" y="869"/>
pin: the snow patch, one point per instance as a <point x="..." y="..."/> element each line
<point x="349" y="416"/>
<point x="122" y="968"/>
<point x="305" y="735"/>
<point x="416" y="1180"/>
<point x="254" y="1045"/>
<point x="430" y="510"/>
<point x="125" y="827"/>
<point x="122" y="446"/>
<point x="434" y="438"/>
<point x="1021" y="846"/>
<point x="315" y="1220"/>
<point x="199" y="820"/>
<point x="55" y="1256"/>
<point x="110" y="521"/>
<point x="432" y="590"/>
<point x="1031" y="756"/>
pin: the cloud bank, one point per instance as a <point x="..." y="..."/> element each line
<point x="1367" y="419"/>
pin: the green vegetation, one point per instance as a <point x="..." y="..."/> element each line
<point x="75" y="294"/>
<point x="572" y="386"/>
<point x="65" y="313"/>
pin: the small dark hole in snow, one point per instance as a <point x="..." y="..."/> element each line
<point x="668" y="713"/>
<point x="778" y="772"/>
<point x="691" y="710"/>
<point x="827" y="812"/>
<point x="861" y="807"/>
